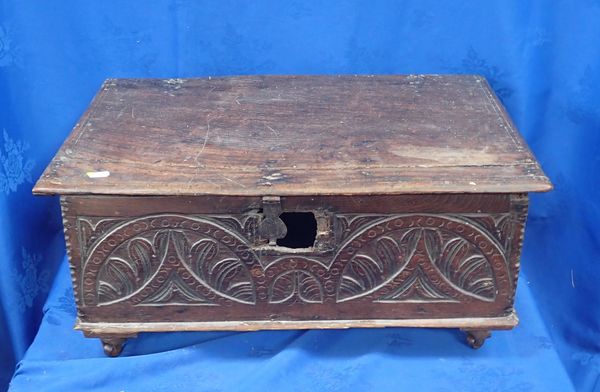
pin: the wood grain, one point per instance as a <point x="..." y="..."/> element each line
<point x="101" y="329"/>
<point x="142" y="262"/>
<point x="172" y="190"/>
<point x="294" y="135"/>
<point x="429" y="203"/>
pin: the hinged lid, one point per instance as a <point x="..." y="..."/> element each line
<point x="294" y="135"/>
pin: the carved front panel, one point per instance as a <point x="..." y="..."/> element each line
<point x="395" y="261"/>
<point x="168" y="259"/>
<point x="374" y="266"/>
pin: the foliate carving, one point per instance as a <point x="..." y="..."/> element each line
<point x="122" y="276"/>
<point x="348" y="225"/>
<point x="171" y="259"/>
<point x="461" y="262"/>
<point x="456" y="257"/>
<point x="364" y="272"/>
<point x="157" y="258"/>
<point x="297" y="285"/>
<point x="90" y="230"/>
<point x="498" y="226"/>
<point x="245" y="224"/>
<point x="417" y="288"/>
<point x="174" y="291"/>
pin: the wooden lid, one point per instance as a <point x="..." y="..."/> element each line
<point x="294" y="135"/>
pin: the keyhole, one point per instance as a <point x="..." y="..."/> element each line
<point x="301" y="230"/>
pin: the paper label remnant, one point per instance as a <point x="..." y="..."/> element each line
<point x="98" y="174"/>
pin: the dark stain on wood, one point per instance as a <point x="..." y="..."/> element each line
<point x="172" y="190"/>
<point x="295" y="135"/>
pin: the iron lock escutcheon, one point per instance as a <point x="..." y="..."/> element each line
<point x="272" y="227"/>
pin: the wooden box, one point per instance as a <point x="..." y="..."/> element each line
<point x="275" y="202"/>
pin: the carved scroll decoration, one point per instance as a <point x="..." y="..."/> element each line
<point x="171" y="259"/>
<point x="447" y="253"/>
<point x="298" y="285"/>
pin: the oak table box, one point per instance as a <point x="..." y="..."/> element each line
<point x="276" y="202"/>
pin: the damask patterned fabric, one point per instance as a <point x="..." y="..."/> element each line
<point x="389" y="359"/>
<point x="542" y="59"/>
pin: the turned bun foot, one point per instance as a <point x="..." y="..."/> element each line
<point x="112" y="346"/>
<point x="476" y="338"/>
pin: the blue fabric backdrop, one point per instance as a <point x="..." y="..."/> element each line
<point x="541" y="57"/>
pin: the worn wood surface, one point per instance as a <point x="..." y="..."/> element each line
<point x="294" y="135"/>
<point x="124" y="206"/>
<point x="101" y="329"/>
<point x="146" y="261"/>
<point x="172" y="190"/>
